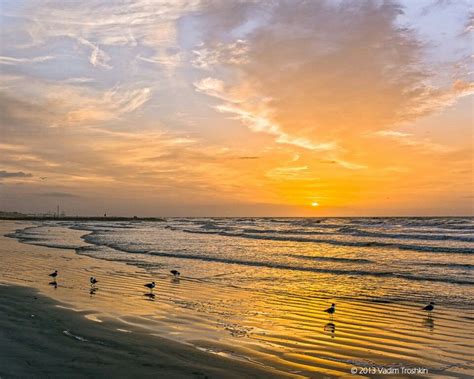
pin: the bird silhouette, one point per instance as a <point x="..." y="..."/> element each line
<point x="331" y="309"/>
<point x="175" y="273"/>
<point x="150" y="286"/>
<point x="429" y="307"/>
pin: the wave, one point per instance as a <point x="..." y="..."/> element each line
<point x="465" y="266"/>
<point x="330" y="259"/>
<point x="422" y="248"/>
<point x="29" y="236"/>
<point x="94" y="238"/>
<point x="435" y="236"/>
<point x="385" y="274"/>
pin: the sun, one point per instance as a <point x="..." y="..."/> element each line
<point x="314" y="204"/>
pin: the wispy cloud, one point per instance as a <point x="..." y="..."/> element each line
<point x="60" y="195"/>
<point x="19" y="174"/>
<point x="256" y="121"/>
<point x="98" y="57"/>
<point x="15" y="61"/>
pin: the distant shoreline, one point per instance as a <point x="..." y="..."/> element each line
<point x="80" y="218"/>
<point x="23" y="217"/>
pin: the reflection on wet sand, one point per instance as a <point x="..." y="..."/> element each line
<point x="54" y="283"/>
<point x="150" y="296"/>
<point x="330" y="328"/>
<point x="429" y="323"/>
<point x="245" y="322"/>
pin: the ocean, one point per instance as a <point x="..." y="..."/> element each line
<point x="381" y="259"/>
<point x="255" y="289"/>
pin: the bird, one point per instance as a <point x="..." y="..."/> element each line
<point x="175" y="273"/>
<point x="429" y="307"/>
<point x="54" y="274"/>
<point x="150" y="286"/>
<point x="93" y="281"/>
<point x="331" y="309"/>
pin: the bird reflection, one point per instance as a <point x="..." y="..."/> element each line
<point x="175" y="280"/>
<point x="93" y="290"/>
<point x="150" y="296"/>
<point x="330" y="328"/>
<point x="429" y="323"/>
<point x="54" y="283"/>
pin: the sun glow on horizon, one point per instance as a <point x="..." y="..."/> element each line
<point x="314" y="204"/>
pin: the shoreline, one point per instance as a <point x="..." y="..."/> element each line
<point x="38" y="339"/>
<point x="24" y="217"/>
<point x="269" y="331"/>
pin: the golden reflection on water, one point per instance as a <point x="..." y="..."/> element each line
<point x="292" y="333"/>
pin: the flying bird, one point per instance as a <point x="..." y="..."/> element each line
<point x="175" y="273"/>
<point x="429" y="307"/>
<point x="54" y="274"/>
<point x="150" y="285"/>
<point x="331" y="309"/>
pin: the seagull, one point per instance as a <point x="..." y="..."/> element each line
<point x="429" y="307"/>
<point x="93" y="281"/>
<point x="175" y="273"/>
<point x="54" y="274"/>
<point x="150" y="286"/>
<point x="331" y="309"/>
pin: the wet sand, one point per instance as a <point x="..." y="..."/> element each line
<point x="39" y="339"/>
<point x="251" y="334"/>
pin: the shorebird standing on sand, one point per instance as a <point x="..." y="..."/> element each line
<point x="93" y="281"/>
<point x="150" y="286"/>
<point x="429" y="307"/>
<point x="175" y="273"/>
<point x="331" y="309"/>
<point x="54" y="274"/>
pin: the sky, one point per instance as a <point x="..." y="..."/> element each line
<point x="237" y="108"/>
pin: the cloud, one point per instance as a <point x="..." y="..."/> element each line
<point x="392" y="133"/>
<point x="100" y="26"/>
<point x="63" y="195"/>
<point x="66" y="104"/>
<point x="79" y="81"/>
<point x="341" y="68"/>
<point x="258" y="122"/>
<point x="172" y="100"/>
<point x="19" y="174"/>
<point x="16" y="61"/>
<point x="98" y="57"/>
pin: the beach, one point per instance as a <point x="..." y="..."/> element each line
<point x="38" y="339"/>
<point x="215" y="320"/>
